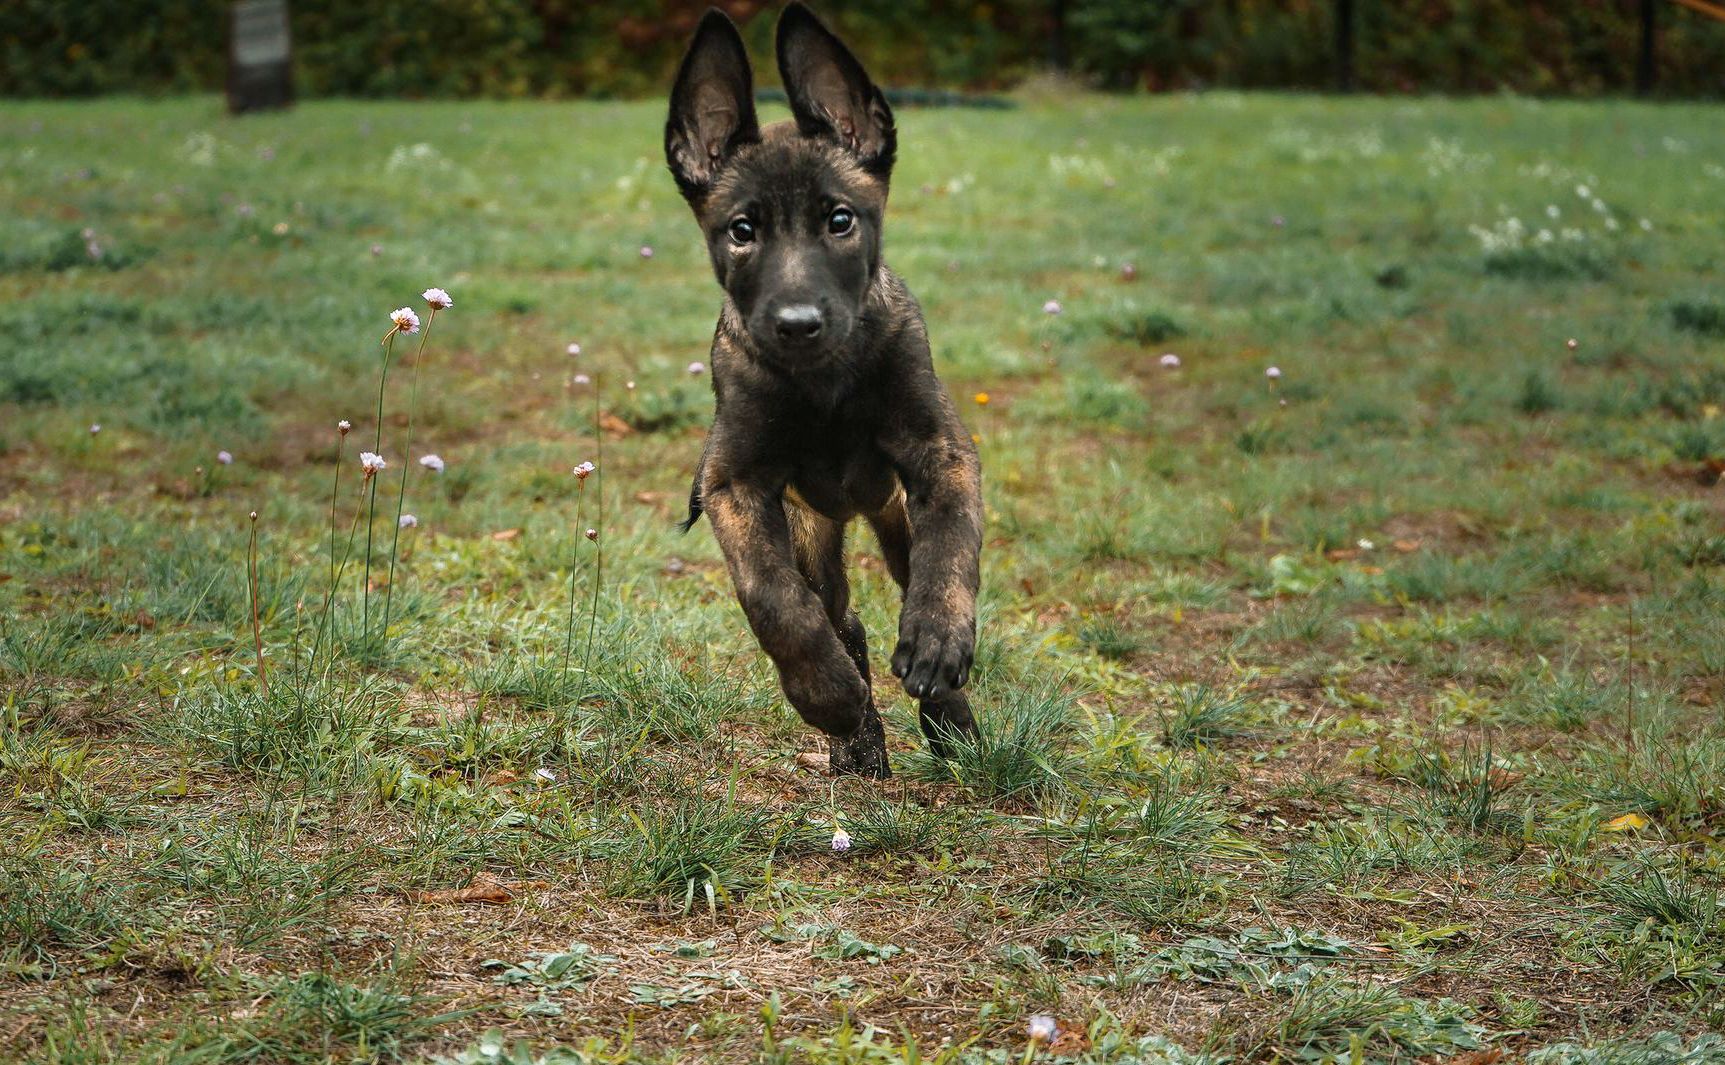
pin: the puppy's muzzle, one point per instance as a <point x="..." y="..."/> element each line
<point x="798" y="323"/>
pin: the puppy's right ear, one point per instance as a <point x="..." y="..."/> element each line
<point x="712" y="106"/>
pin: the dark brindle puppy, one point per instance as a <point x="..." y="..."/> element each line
<point x="827" y="403"/>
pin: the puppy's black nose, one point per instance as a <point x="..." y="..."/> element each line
<point x="799" y="321"/>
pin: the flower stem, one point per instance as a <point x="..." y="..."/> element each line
<point x="406" y="454"/>
<point x="376" y="447"/>
<point x="252" y="586"/>
<point x="598" y="523"/>
<point x="329" y="597"/>
<point x="327" y="622"/>
<point x="574" y="569"/>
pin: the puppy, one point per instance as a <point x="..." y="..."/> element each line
<point x="827" y="404"/>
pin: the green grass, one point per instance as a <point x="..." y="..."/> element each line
<point x="1366" y="713"/>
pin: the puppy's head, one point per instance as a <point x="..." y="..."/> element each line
<point x="792" y="213"/>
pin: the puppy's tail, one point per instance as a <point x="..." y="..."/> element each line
<point x="694" y="506"/>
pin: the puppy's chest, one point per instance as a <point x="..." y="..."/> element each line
<point x="841" y="473"/>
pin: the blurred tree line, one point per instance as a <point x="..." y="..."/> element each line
<point x="554" y="48"/>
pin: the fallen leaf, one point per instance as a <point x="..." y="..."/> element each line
<point x="1478" y="1057"/>
<point x="506" y="534"/>
<point x="615" y="425"/>
<point x="1341" y="554"/>
<point x="1069" y="1042"/>
<point x="483" y="889"/>
<point x="1406" y="546"/>
<point x="487" y="891"/>
<point x="1625" y="823"/>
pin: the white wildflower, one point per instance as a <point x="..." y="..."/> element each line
<point x="432" y="463"/>
<point x="438" y="299"/>
<point x="406" y="321"/>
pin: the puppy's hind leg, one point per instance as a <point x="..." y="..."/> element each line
<point x="819" y="544"/>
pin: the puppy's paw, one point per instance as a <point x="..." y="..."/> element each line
<point x="933" y="655"/>
<point x="862" y="754"/>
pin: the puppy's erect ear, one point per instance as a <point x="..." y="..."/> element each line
<point x="712" y="106"/>
<point x="830" y="93"/>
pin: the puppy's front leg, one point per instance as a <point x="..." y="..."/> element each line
<point x="943" y="497"/>
<point x="818" y="675"/>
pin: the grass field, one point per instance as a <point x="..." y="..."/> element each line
<point x="1370" y="712"/>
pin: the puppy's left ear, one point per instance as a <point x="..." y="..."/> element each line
<point x="830" y="93"/>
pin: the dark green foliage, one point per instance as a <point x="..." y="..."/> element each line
<point x="1699" y="316"/>
<point x="608" y="47"/>
<point x="1453" y="45"/>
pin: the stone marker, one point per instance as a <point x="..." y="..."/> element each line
<point x="260" y="56"/>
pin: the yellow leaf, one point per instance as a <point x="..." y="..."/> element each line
<point x="1625" y="823"/>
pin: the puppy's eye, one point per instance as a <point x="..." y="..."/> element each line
<point x="742" y="231"/>
<point x="841" y="221"/>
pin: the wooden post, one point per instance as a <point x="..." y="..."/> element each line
<point x="260" y="56"/>
<point x="1644" y="65"/>
<point x="1344" y="12"/>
